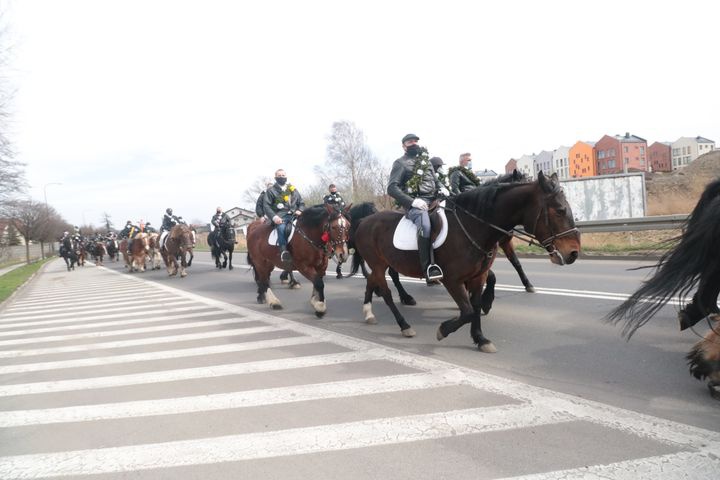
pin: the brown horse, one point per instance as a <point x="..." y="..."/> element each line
<point x="98" y="252"/>
<point x="692" y="263"/>
<point x="154" y="254"/>
<point x="178" y="245"/>
<point x="135" y="261"/>
<point x="321" y="231"/>
<point x="81" y="254"/>
<point x="477" y="221"/>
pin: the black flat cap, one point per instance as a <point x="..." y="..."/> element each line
<point x="410" y="136"/>
<point x="436" y="161"/>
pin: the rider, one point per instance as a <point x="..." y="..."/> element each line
<point x="64" y="237"/>
<point x="217" y="221"/>
<point x="129" y="232"/>
<point x="414" y="185"/>
<point x="462" y="178"/>
<point x="260" y="203"/>
<point x="168" y="222"/>
<point x="149" y="228"/>
<point x="333" y="198"/>
<point x="282" y="200"/>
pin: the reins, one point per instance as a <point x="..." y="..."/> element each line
<point x="325" y="247"/>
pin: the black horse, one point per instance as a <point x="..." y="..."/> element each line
<point x="693" y="262"/>
<point x="222" y="243"/>
<point x="68" y="253"/>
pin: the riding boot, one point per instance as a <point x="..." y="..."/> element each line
<point x="432" y="272"/>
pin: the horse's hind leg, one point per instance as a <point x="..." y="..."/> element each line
<point x="292" y="283"/>
<point x="405" y="298"/>
<point x="512" y="256"/>
<point x="704" y="358"/>
<point x="230" y="267"/>
<point x="704" y="302"/>
<point x="488" y="295"/>
<point x="377" y="278"/>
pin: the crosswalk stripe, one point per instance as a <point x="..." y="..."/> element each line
<point x="125" y="310"/>
<point x="125" y="331"/>
<point x="112" y="323"/>
<point x="45" y="296"/>
<point x="222" y="401"/>
<point x="297" y="441"/>
<point x="107" y="303"/>
<point x="185" y="373"/>
<point x="682" y="465"/>
<point x="161" y="355"/>
<point x="148" y="313"/>
<point x="136" y="342"/>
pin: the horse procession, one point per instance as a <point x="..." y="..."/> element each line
<point x="446" y="230"/>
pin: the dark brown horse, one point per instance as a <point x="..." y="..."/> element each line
<point x="478" y="220"/>
<point x="98" y="251"/>
<point x="178" y="245"/>
<point x="321" y="231"/>
<point x="694" y="261"/>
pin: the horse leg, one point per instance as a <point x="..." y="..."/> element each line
<point x="292" y="283"/>
<point x="192" y="255"/>
<point x="704" y="302"/>
<point x="704" y="358"/>
<point x="338" y="271"/>
<point x="284" y="276"/>
<point x="405" y="298"/>
<point x="488" y="295"/>
<point x="230" y="252"/>
<point x="512" y="256"/>
<point x="317" y="299"/>
<point x="225" y="259"/>
<point x="183" y="264"/>
<point x="476" y="299"/>
<point x="378" y="279"/>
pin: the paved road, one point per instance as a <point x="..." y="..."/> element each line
<point x="142" y="376"/>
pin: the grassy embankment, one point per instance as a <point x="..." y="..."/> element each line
<point x="15" y="278"/>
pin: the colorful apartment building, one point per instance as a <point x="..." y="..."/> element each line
<point x="526" y="165"/>
<point x="621" y="154"/>
<point x="687" y="149"/>
<point x="582" y="160"/>
<point x="659" y="157"/>
<point x="560" y="162"/>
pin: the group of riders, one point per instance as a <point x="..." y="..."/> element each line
<point x="416" y="181"/>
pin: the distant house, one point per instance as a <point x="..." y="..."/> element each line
<point x="240" y="218"/>
<point x="687" y="149"/>
<point x="485" y="175"/>
<point x="660" y="157"/>
<point x="526" y="165"/>
<point x="621" y="154"/>
<point x="543" y="161"/>
<point x="560" y="162"/>
<point x="511" y="165"/>
<point x="582" y="160"/>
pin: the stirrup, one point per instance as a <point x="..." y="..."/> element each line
<point x="437" y="273"/>
<point x="285" y="256"/>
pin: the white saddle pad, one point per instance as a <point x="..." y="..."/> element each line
<point x="163" y="238"/>
<point x="273" y="238"/>
<point x="405" y="236"/>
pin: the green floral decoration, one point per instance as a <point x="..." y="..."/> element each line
<point x="422" y="164"/>
<point x="467" y="172"/>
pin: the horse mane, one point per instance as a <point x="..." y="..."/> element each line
<point x="314" y="216"/>
<point x="679" y="270"/>
<point x="506" y="178"/>
<point x="481" y="200"/>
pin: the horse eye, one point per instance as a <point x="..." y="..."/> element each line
<point x="561" y="212"/>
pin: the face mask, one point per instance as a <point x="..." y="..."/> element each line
<point x="469" y="166"/>
<point x="413" y="150"/>
<point x="441" y="170"/>
<point x="280" y="180"/>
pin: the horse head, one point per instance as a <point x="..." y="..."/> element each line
<point x="552" y="222"/>
<point x="338" y="232"/>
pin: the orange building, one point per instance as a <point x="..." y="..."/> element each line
<point x="582" y="160"/>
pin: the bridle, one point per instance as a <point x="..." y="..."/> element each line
<point x="529" y="238"/>
<point x="331" y="244"/>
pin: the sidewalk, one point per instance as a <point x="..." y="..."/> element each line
<point x="5" y="270"/>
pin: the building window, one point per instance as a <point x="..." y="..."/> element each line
<point x="642" y="150"/>
<point x="611" y="164"/>
<point x="625" y="149"/>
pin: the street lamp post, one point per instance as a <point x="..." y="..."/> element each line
<point x="47" y="213"/>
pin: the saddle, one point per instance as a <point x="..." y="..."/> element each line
<point x="405" y="236"/>
<point x="273" y="238"/>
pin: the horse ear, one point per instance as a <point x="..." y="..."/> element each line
<point x="544" y="182"/>
<point x="554" y="178"/>
<point x="515" y="175"/>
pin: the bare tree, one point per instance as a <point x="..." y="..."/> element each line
<point x="350" y="163"/>
<point x="29" y="219"/>
<point x="12" y="173"/>
<point x="259" y="185"/>
<point x="106" y="221"/>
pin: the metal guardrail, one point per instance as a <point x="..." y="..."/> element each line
<point x="658" y="222"/>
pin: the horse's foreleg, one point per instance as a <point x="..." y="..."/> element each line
<point x="183" y="264"/>
<point x="230" y="252"/>
<point x="475" y="287"/>
<point x="405" y="298"/>
<point x="515" y="261"/>
<point x="317" y="299"/>
<point x="488" y="295"/>
<point x="292" y="282"/>
<point x="378" y="276"/>
<point x="704" y="358"/>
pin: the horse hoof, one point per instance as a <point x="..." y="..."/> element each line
<point x="408" y="332"/>
<point x="230" y="267"/>
<point x="530" y="289"/>
<point x="339" y="276"/>
<point x="276" y="306"/>
<point x="714" y="390"/>
<point x="371" y="320"/>
<point x="408" y="301"/>
<point x="183" y="275"/>
<point x="294" y="285"/>
<point x="319" y="314"/>
<point x="487" y="348"/>
<point x="439" y="335"/>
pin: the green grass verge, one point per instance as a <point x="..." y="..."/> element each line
<point x="12" y="280"/>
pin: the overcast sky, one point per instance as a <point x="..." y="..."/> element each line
<point x="135" y="106"/>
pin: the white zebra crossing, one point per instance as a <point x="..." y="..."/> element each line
<point x="696" y="455"/>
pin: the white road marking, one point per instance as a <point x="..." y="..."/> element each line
<point x="118" y="312"/>
<point x="222" y="401"/>
<point x="135" y="342"/>
<point x="126" y="331"/>
<point x="161" y="355"/>
<point x="212" y="371"/>
<point x="297" y="441"/>
<point x="149" y="298"/>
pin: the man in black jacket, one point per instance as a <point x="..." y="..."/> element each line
<point x="462" y="178"/>
<point x="282" y="201"/>
<point x="414" y="185"/>
<point x="260" y="203"/>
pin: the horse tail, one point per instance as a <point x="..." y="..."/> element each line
<point x="357" y="261"/>
<point x="252" y="266"/>
<point x="357" y="213"/>
<point x="679" y="270"/>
